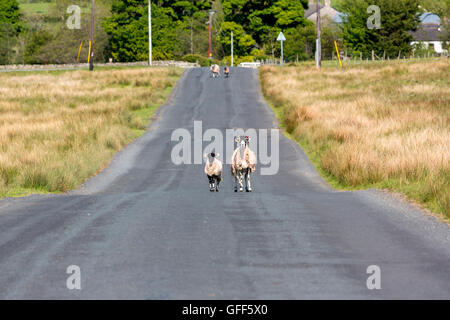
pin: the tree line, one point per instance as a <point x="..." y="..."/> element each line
<point x="180" y="30"/>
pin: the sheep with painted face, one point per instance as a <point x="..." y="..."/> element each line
<point x="213" y="170"/>
<point x="243" y="163"/>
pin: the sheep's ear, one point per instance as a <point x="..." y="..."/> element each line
<point x="237" y="139"/>
<point x="217" y="154"/>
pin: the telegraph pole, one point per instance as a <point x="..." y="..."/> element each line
<point x="91" y="53"/>
<point x="192" y="35"/>
<point x="150" y="45"/>
<point x="318" y="41"/>
<point x="232" y="48"/>
<point x="211" y="13"/>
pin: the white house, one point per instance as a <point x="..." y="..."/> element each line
<point x="430" y="33"/>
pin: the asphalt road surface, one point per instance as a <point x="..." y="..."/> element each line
<point x="145" y="228"/>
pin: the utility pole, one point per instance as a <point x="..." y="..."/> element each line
<point x="150" y="52"/>
<point x="232" y="52"/>
<point x="91" y="54"/>
<point x="192" y="35"/>
<point x="282" y="55"/>
<point x="318" y="41"/>
<point x="211" y="13"/>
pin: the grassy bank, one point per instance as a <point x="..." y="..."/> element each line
<point x="375" y="125"/>
<point x="58" y="128"/>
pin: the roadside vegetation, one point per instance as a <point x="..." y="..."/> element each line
<point x="59" y="128"/>
<point x="374" y="125"/>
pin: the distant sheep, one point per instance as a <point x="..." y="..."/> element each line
<point x="215" y="70"/>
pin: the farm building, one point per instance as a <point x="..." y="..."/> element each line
<point x="430" y="33"/>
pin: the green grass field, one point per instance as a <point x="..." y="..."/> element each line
<point x="39" y="8"/>
<point x="42" y="8"/>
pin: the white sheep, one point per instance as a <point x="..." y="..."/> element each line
<point x="215" y="70"/>
<point x="243" y="162"/>
<point x="213" y="170"/>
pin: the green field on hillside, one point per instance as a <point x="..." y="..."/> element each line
<point x="39" y="8"/>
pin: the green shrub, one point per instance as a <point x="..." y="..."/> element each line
<point x="237" y="60"/>
<point x="196" y="58"/>
<point x="263" y="57"/>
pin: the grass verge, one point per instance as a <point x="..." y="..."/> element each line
<point x="380" y="126"/>
<point x="58" y="128"/>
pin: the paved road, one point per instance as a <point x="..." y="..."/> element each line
<point x="147" y="229"/>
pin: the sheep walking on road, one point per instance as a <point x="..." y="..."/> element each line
<point x="226" y="72"/>
<point x="243" y="163"/>
<point x="215" y="70"/>
<point x="213" y="170"/>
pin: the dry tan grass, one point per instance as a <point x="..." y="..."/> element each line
<point x="57" y="129"/>
<point x="385" y="125"/>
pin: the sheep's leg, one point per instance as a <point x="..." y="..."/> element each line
<point x="241" y="178"/>
<point x="245" y="179"/>
<point x="248" y="182"/>
<point x="234" y="174"/>
<point x="211" y="183"/>
<point x="219" y="179"/>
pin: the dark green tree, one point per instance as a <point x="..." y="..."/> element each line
<point x="398" y="18"/>
<point x="10" y="27"/>
<point x="243" y="42"/>
<point x="192" y="32"/>
<point x="128" y="30"/>
<point x="185" y="8"/>
<point x="300" y="43"/>
<point x="10" y="14"/>
<point x="260" y="17"/>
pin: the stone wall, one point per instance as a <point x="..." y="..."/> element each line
<point x="169" y="63"/>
